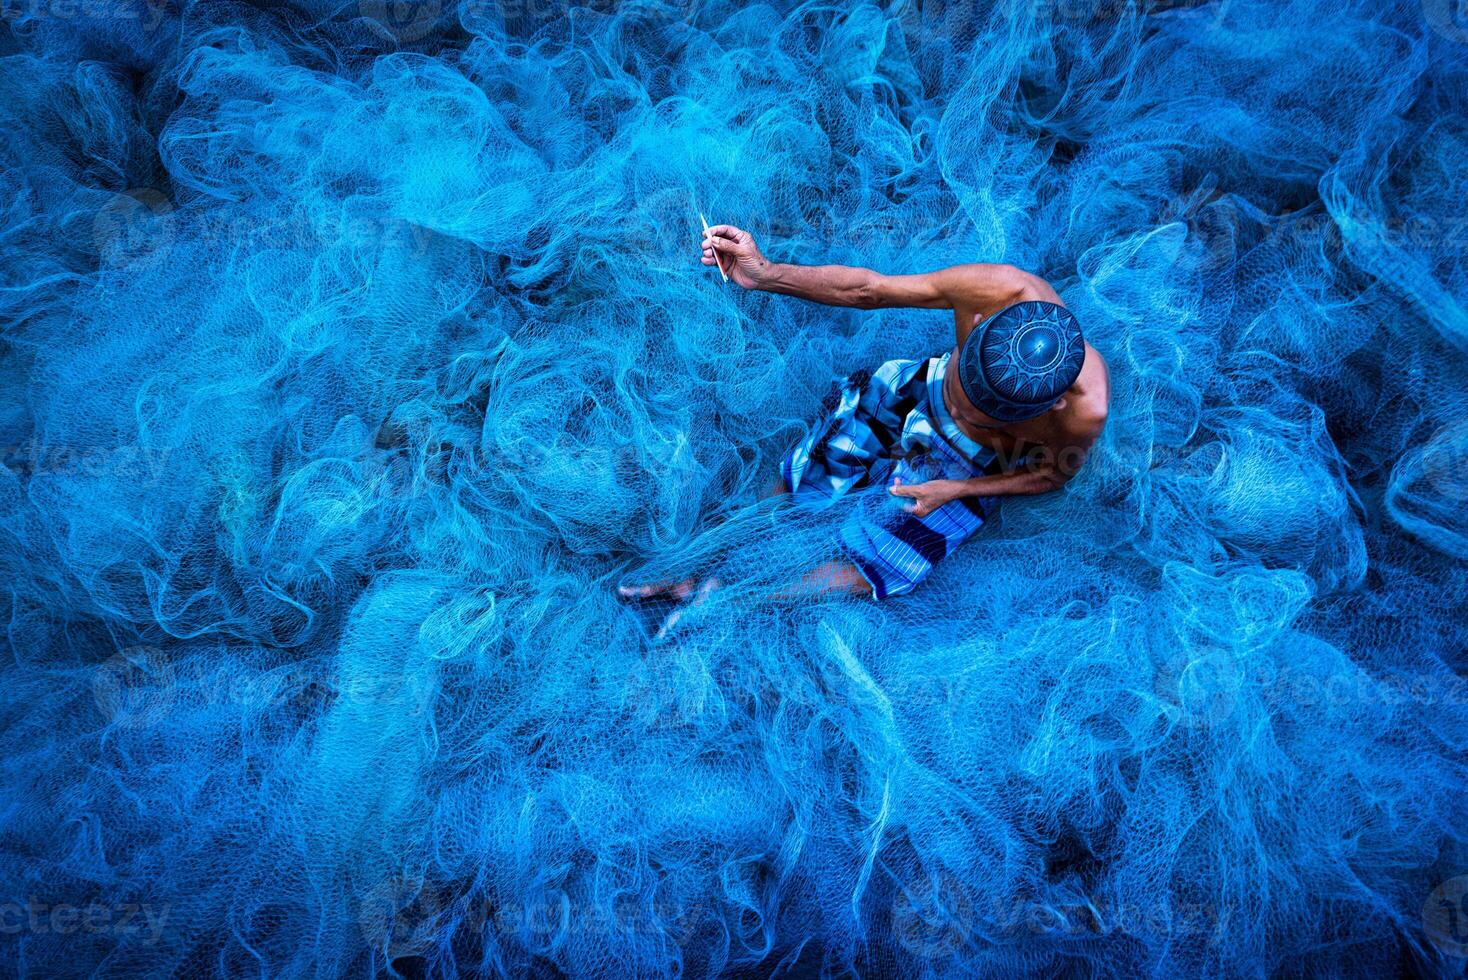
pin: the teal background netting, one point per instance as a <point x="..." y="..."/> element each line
<point x="352" y="354"/>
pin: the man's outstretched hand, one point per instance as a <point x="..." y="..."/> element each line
<point x="740" y="257"/>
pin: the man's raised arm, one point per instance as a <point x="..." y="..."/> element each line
<point x="978" y="286"/>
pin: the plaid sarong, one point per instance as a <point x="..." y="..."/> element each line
<point x="891" y="422"/>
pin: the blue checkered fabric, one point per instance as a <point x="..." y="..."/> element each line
<point x="883" y="424"/>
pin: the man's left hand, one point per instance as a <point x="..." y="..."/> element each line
<point x="927" y="497"/>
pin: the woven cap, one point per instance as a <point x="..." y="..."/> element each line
<point x="1016" y="364"/>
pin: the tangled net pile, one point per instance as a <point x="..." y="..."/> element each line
<point x="352" y="354"/>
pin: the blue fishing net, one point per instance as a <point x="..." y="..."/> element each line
<point x="353" y="353"/>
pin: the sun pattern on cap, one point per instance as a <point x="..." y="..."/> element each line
<point x="1022" y="359"/>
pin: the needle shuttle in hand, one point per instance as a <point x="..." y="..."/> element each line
<point x="717" y="261"/>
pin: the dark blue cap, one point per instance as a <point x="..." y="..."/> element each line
<point x="1016" y="364"/>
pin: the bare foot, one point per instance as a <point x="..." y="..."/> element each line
<point x="705" y="589"/>
<point x="679" y="589"/>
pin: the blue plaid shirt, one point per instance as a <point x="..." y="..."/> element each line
<point x="884" y="424"/>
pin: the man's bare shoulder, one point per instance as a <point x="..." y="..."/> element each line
<point x="1089" y="399"/>
<point x="1032" y="287"/>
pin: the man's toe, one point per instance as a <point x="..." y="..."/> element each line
<point x="636" y="591"/>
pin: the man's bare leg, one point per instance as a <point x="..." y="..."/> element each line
<point x="833" y="576"/>
<point x="680" y="588"/>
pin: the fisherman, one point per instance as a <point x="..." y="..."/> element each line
<point x="1012" y="409"/>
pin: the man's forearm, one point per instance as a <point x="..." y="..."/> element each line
<point x="929" y="496"/>
<point x="833" y="285"/>
<point x="1016" y="483"/>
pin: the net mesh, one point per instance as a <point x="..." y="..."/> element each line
<point x="352" y="354"/>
